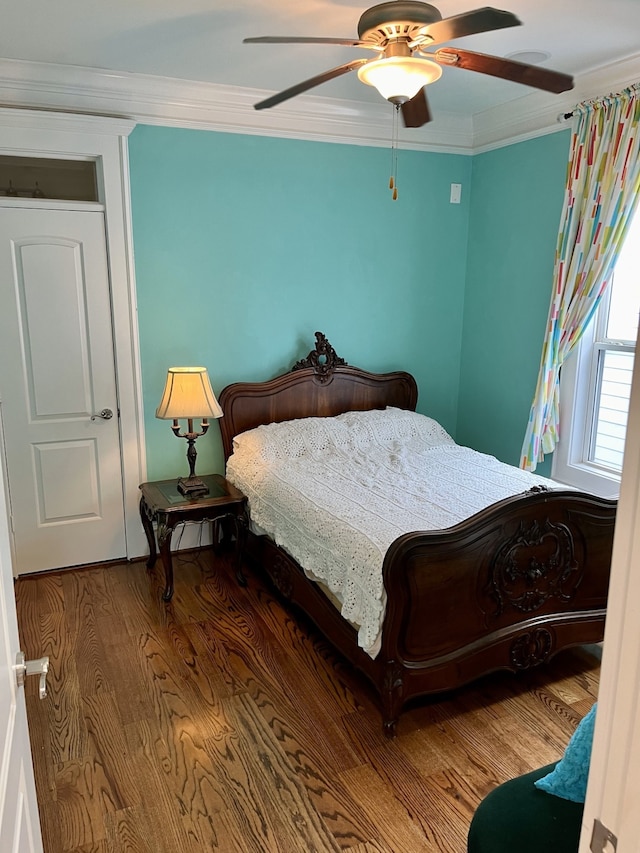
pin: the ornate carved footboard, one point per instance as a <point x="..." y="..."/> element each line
<point x="506" y="589"/>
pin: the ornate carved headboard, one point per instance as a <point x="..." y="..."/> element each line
<point x="320" y="385"/>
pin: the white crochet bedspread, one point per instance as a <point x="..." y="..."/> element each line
<point x="336" y="492"/>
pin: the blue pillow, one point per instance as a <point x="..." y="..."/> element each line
<point x="568" y="779"/>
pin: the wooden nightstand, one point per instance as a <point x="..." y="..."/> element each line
<point x="161" y="502"/>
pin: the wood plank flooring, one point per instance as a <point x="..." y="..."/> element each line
<point x="223" y="722"/>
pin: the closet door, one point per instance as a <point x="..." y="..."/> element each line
<point x="58" y="388"/>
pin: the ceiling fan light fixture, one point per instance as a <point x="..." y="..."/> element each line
<point x="399" y="78"/>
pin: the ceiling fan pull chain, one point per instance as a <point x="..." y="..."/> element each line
<point x="393" y="180"/>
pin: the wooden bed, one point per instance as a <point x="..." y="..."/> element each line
<point x="506" y="589"/>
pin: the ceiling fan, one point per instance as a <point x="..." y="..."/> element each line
<point x="401" y="33"/>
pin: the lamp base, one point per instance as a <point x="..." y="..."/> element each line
<point x="192" y="487"/>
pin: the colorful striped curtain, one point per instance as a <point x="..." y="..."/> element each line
<point x="603" y="187"/>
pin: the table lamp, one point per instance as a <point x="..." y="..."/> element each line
<point x="188" y="394"/>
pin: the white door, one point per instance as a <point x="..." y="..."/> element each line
<point x="57" y="375"/>
<point x="613" y="793"/>
<point x="19" y="824"/>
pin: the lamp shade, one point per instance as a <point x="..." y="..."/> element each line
<point x="399" y="78"/>
<point x="188" y="394"/>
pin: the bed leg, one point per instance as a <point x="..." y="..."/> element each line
<point x="390" y="728"/>
<point x="392" y="697"/>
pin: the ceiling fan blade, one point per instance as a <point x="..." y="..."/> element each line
<point x="416" y="112"/>
<point x="497" y="66"/>
<point x="308" y="84"/>
<point x="306" y="40"/>
<point x="477" y="21"/>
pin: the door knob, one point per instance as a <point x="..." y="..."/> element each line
<point x="105" y="414"/>
<point x="32" y="667"/>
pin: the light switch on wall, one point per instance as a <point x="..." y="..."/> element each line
<point x="456" y="190"/>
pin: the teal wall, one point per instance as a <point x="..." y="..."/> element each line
<point x="246" y="245"/>
<point x="516" y="204"/>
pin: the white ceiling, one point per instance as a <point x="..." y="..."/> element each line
<point x="201" y="40"/>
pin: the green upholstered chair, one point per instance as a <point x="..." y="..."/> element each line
<point x="518" y="818"/>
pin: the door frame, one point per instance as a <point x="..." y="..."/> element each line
<point x="79" y="137"/>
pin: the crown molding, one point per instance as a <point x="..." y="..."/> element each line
<point x="186" y="103"/>
<point x="25" y="118"/>
<point x="539" y="113"/>
<point x="130" y="98"/>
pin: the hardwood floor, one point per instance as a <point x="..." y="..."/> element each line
<point x="221" y="722"/>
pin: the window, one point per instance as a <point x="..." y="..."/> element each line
<point x="595" y="383"/>
<point x="40" y="177"/>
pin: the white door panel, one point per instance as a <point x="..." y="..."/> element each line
<point x="46" y="314"/>
<point x="52" y="461"/>
<point x="20" y="827"/>
<point x="57" y="373"/>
